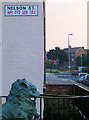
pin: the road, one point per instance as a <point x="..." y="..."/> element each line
<point x="63" y="78"/>
<point x="66" y="76"/>
<point x="52" y="78"/>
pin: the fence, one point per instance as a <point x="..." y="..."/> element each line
<point x="63" y="107"/>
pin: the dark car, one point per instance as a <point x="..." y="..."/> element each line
<point x="75" y="72"/>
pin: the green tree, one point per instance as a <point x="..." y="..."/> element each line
<point x="57" y="53"/>
<point x="48" y="64"/>
<point x="85" y="60"/>
<point x="78" y="61"/>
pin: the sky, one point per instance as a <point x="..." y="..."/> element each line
<point x="64" y="17"/>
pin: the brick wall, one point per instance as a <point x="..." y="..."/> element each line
<point x="60" y="89"/>
<point x="79" y="52"/>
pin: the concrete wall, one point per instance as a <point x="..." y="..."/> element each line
<point x="0" y="48"/>
<point x="22" y="47"/>
<point x="88" y="24"/>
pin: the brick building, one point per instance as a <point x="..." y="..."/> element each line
<point x="74" y="53"/>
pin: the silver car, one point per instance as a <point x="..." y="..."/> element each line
<point x="81" y="76"/>
<point x="86" y="79"/>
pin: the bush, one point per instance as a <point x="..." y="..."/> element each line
<point x="55" y="111"/>
<point x="51" y="71"/>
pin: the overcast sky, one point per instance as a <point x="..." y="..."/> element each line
<point x="64" y="17"/>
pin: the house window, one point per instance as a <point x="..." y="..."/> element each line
<point x="72" y="59"/>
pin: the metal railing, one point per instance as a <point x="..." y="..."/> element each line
<point x="64" y="107"/>
<point x="55" y="107"/>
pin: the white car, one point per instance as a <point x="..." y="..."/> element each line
<point x="81" y="76"/>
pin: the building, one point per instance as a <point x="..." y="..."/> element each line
<point x="74" y="53"/>
<point x="80" y="52"/>
<point x="87" y="24"/>
<point x="22" y="43"/>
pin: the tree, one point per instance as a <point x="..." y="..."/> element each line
<point x="57" y="53"/>
<point x="85" y="60"/>
<point x="48" y="64"/>
<point x="78" y="61"/>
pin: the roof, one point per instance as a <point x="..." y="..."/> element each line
<point x="73" y="50"/>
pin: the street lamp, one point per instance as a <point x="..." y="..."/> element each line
<point x="69" y="53"/>
<point x="81" y="59"/>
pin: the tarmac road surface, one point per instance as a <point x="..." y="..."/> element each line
<point x="63" y="78"/>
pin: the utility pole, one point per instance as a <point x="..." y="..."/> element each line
<point x="81" y="59"/>
<point x="69" y="53"/>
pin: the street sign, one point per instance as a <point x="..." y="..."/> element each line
<point x="21" y="10"/>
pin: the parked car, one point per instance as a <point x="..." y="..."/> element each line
<point x="86" y="79"/>
<point x="75" y="72"/>
<point x="81" y="76"/>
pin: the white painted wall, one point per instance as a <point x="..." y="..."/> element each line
<point x="22" y="47"/>
<point x="88" y="25"/>
<point x="0" y="48"/>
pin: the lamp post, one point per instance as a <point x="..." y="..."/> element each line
<point x="81" y="59"/>
<point x="69" y="53"/>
